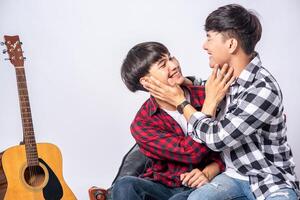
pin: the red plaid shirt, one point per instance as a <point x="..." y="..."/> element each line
<point x="161" y="138"/>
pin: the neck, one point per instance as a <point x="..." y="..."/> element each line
<point x="239" y="61"/>
<point x="165" y="105"/>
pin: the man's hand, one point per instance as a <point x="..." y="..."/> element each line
<point x="194" y="178"/>
<point x="216" y="87"/>
<point x="174" y="95"/>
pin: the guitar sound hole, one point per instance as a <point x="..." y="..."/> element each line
<point x="34" y="176"/>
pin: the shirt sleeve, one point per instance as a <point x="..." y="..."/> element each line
<point x="215" y="157"/>
<point x="159" y="144"/>
<point x="254" y="109"/>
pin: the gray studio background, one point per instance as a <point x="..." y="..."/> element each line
<point x="74" y="50"/>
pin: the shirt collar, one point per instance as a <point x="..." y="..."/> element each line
<point x="153" y="106"/>
<point x="247" y="76"/>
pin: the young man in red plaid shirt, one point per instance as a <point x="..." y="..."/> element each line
<point x="179" y="164"/>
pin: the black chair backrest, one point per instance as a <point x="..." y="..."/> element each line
<point x="134" y="163"/>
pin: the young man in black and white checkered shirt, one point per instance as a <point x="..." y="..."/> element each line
<point x="248" y="125"/>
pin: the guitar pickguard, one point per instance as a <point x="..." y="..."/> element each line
<point x="53" y="189"/>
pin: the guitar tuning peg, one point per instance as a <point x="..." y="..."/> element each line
<point x="21" y="43"/>
<point x="6" y="58"/>
<point x="4" y="51"/>
<point x="2" y="43"/>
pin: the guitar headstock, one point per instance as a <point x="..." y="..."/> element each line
<point x="14" y="50"/>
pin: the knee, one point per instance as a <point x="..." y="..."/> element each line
<point x="206" y="192"/>
<point x="124" y="184"/>
<point x="127" y="188"/>
<point x="196" y="196"/>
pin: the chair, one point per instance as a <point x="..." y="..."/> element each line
<point x="133" y="163"/>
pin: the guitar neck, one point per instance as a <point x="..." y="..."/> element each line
<point x="28" y="131"/>
<point x="16" y="57"/>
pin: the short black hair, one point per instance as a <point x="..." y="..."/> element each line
<point x="138" y="61"/>
<point x="235" y="21"/>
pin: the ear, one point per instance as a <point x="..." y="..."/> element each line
<point x="232" y="45"/>
<point x="142" y="79"/>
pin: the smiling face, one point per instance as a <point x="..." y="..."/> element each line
<point x="217" y="47"/>
<point x="167" y="70"/>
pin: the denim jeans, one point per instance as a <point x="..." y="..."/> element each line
<point x="223" y="187"/>
<point x="135" y="188"/>
<point x="283" y="194"/>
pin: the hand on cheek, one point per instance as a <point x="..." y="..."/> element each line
<point x="216" y="88"/>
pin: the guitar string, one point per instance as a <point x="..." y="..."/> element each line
<point x="32" y="169"/>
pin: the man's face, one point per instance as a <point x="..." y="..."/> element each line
<point x="216" y="47"/>
<point x="167" y="70"/>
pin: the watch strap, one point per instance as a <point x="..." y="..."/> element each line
<point x="181" y="106"/>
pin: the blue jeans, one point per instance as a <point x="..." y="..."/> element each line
<point x="283" y="194"/>
<point x="223" y="187"/>
<point x="135" y="188"/>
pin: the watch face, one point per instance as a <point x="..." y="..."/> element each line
<point x="180" y="109"/>
<point x="181" y="106"/>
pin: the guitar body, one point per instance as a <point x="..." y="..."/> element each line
<point x="42" y="182"/>
<point x="31" y="171"/>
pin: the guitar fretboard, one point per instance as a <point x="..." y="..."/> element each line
<point x="28" y="131"/>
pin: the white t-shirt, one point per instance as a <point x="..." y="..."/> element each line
<point x="180" y="119"/>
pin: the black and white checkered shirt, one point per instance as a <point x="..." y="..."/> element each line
<point x="253" y="129"/>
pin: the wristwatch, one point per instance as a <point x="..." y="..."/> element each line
<point x="181" y="106"/>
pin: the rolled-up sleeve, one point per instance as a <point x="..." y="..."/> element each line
<point x="256" y="107"/>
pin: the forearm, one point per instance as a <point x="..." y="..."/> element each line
<point x="215" y="134"/>
<point x="242" y="119"/>
<point x="203" y="121"/>
<point x="211" y="170"/>
<point x="209" y="109"/>
<point x="188" y="111"/>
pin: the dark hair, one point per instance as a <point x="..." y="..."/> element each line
<point x="235" y="21"/>
<point x="138" y="61"/>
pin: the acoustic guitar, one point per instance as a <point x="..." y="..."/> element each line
<point x="30" y="171"/>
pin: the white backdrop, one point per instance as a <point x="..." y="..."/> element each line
<point x="74" y="51"/>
